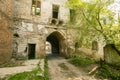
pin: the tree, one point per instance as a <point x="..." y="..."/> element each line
<point x="94" y="18"/>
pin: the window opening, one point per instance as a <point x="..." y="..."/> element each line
<point x="36" y="7"/>
<point x="55" y="11"/>
<point x="72" y="15"/>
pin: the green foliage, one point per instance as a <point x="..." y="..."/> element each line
<point x="104" y="72"/>
<point x="32" y="75"/>
<point x="109" y="72"/>
<point x="27" y="76"/>
<point x="93" y="19"/>
<point x="79" y="61"/>
<point x="46" y="74"/>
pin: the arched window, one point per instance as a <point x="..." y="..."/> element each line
<point x="94" y="45"/>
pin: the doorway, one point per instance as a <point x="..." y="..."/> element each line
<point x="31" y="51"/>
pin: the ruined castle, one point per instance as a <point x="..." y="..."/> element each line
<point x="26" y="26"/>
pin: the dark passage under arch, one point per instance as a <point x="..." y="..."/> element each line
<point x="57" y="43"/>
<point x="54" y="43"/>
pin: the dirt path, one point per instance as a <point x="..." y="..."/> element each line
<point x="61" y="69"/>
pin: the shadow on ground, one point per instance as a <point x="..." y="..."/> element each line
<point x="53" y="56"/>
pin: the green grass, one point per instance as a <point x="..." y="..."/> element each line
<point x="109" y="72"/>
<point x="32" y="75"/>
<point x="105" y="71"/>
<point x="79" y="61"/>
<point x="46" y="74"/>
<point x="27" y="76"/>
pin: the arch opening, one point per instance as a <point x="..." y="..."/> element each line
<point x="57" y="42"/>
<point x="48" y="48"/>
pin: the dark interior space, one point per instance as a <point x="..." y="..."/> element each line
<point x="55" y="15"/>
<point x="54" y="43"/>
<point x="31" y="51"/>
<point x="55" y="11"/>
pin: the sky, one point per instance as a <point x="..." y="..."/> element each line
<point x="115" y="7"/>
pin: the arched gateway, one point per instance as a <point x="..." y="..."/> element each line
<point x="58" y="43"/>
<point x="31" y="32"/>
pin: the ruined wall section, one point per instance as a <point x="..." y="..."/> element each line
<point x="74" y="36"/>
<point x="23" y="10"/>
<point x="6" y="27"/>
<point x="27" y="33"/>
<point x="34" y="29"/>
<point x="32" y="33"/>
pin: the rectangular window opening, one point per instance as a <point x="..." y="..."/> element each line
<point x="55" y="11"/>
<point x="36" y="7"/>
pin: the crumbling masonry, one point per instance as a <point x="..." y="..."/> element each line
<point x="26" y="25"/>
<point x="38" y="21"/>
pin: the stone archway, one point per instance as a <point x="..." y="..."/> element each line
<point x="58" y="43"/>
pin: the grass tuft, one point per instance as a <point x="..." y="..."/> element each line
<point x="46" y="74"/>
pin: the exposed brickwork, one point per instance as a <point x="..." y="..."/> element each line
<point x="34" y="29"/>
<point x="6" y="15"/>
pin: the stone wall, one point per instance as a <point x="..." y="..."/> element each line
<point x="32" y="33"/>
<point x="34" y="29"/>
<point x="111" y="55"/>
<point x="74" y="36"/>
<point x="23" y="10"/>
<point x="6" y="21"/>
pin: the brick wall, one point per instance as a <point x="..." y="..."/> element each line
<point x="6" y="15"/>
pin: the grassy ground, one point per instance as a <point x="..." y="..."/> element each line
<point x="103" y="71"/>
<point x="79" y="61"/>
<point x="27" y="76"/>
<point x="109" y="72"/>
<point x="46" y="74"/>
<point x="36" y="74"/>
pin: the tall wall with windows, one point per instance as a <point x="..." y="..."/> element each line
<point x="26" y="26"/>
<point x="41" y="10"/>
<point x="34" y="21"/>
